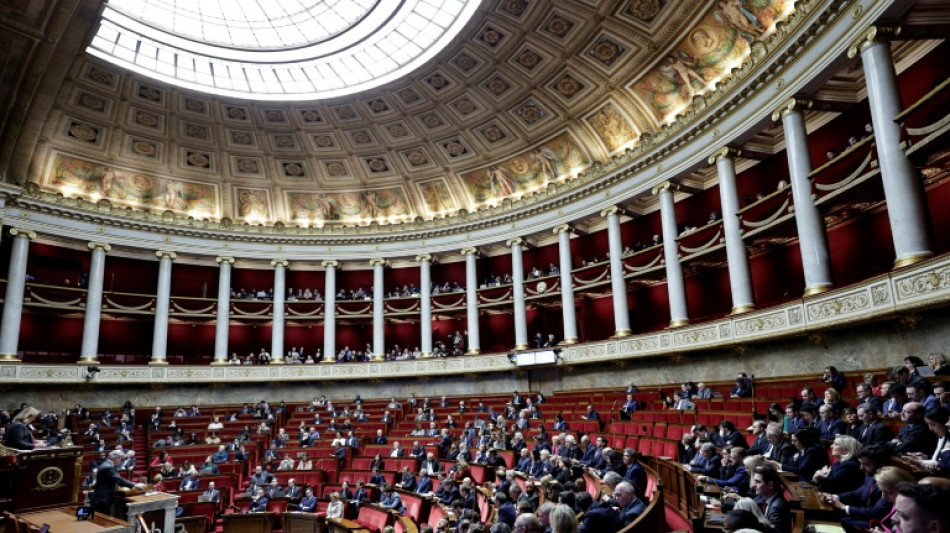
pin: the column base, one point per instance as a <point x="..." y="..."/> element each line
<point x="569" y="341"/>
<point x="739" y="309"/>
<point x="9" y="358"/>
<point x="911" y="259"/>
<point x="159" y="362"/>
<point x="679" y="322"/>
<point x="86" y="361"/>
<point x="817" y="289"/>
<point x="426" y="355"/>
<point x="474" y="351"/>
<point x="325" y="361"/>
<point x="276" y="362"/>
<point x="219" y="362"/>
<point x="621" y="333"/>
<point x="378" y="357"/>
<point x="521" y="347"/>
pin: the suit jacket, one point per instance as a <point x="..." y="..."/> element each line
<point x="876" y="433"/>
<point x="707" y="466"/>
<point x="293" y="493"/>
<point x="189" y="484"/>
<point x="408" y="482"/>
<point x="636" y="475"/>
<point x="308" y="504"/>
<point x="259" y="505"/>
<point x="214" y="495"/>
<point x="18" y="436"/>
<point x="631" y="512"/>
<point x="418" y="452"/>
<point x="778" y="514"/>
<point x="915" y="438"/>
<point x="784" y="452"/>
<point x="865" y="502"/>
<point x="829" y="430"/>
<point x="806" y="462"/>
<point x="108" y="481"/>
<point x="424" y="486"/>
<point x="507" y="513"/>
<point x="433" y="466"/>
<point x="262" y="479"/>
<point x="844" y="476"/>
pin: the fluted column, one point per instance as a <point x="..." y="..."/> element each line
<point x="740" y="275"/>
<point x="222" y="323"/>
<point x="618" y="285"/>
<point x="471" y="300"/>
<point x="89" y="352"/>
<point x="563" y="233"/>
<point x="280" y="295"/>
<point x="162" y="299"/>
<point x="906" y="202"/>
<point x="517" y="293"/>
<point x="379" y="324"/>
<point x="425" y="303"/>
<point x="812" y="240"/>
<point x="329" y="312"/>
<point x="13" y="301"/>
<point x="675" y="284"/>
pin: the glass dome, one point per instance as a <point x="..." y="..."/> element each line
<point x="277" y="49"/>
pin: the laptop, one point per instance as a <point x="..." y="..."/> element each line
<point x="205" y="498"/>
<point x="716" y="518"/>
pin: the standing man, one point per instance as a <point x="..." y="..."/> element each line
<point x="108" y="481"/>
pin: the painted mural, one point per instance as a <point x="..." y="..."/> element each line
<point x="527" y="171"/>
<point x="718" y="43"/>
<point x="88" y="179"/>
<point x="612" y="128"/>
<point x="350" y="205"/>
<point x="253" y="204"/>
<point x="436" y="197"/>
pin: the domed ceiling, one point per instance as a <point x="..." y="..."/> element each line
<point x="529" y="92"/>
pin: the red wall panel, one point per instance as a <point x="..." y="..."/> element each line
<point x="194" y="281"/>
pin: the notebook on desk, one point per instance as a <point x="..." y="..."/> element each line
<point x="716" y="518"/>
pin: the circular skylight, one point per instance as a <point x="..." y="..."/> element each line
<point x="277" y="49"/>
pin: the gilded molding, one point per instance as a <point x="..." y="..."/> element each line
<point x="666" y="186"/>
<point x="166" y="253"/>
<point x="377" y="261"/>
<point x="29" y="234"/>
<point x="426" y="258"/>
<point x="280" y="262"/>
<point x="469" y="251"/>
<point x="224" y="259"/>
<point x="612" y="210"/>
<point x="99" y="245"/>
<point x="515" y="241"/>
<point x="562" y="228"/>
<point x="330" y="264"/>
<point x="790" y="106"/>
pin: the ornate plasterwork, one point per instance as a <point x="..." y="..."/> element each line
<point x="925" y="285"/>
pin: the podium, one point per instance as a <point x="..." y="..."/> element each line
<point x="157" y="507"/>
<point x="303" y="523"/>
<point x="45" y="476"/>
<point x="248" y="522"/>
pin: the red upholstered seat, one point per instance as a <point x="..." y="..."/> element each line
<point x="373" y="519"/>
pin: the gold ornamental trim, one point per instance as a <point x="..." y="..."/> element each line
<point x="49" y="478"/>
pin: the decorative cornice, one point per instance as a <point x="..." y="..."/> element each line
<point x="726" y="152"/>
<point x="280" y="262"/>
<point x="168" y="253"/>
<point x="29" y="234"/>
<point x="872" y="36"/>
<point x="224" y="259"/>
<point x="792" y="105"/>
<point x="99" y="245"/>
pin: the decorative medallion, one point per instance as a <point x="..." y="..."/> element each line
<point x="346" y="112"/>
<point x="465" y="62"/>
<point x="528" y="59"/>
<point x="275" y="116"/>
<point x="101" y="76"/>
<point x="242" y="138"/>
<point x="310" y="116"/>
<point x="606" y="51"/>
<point x="408" y="96"/>
<point x="336" y="168"/>
<point x="149" y="93"/>
<point x="644" y="10"/>
<point x="438" y="82"/>
<point x="567" y="86"/>
<point x="91" y="102"/>
<point x="432" y="121"/>
<point x="492" y="133"/>
<point x="83" y="132"/>
<point x="498" y="86"/>
<point x="293" y="169"/>
<point x="377" y="105"/>
<point x="198" y="159"/>
<point x="530" y="113"/>
<point x="465" y="106"/>
<point x="197" y="131"/>
<point x="49" y="478"/>
<point x="455" y="148"/>
<point x="491" y="37"/>
<point x="515" y="7"/>
<point x="235" y="112"/>
<point x="361" y="137"/>
<point x="323" y="140"/>
<point x="246" y="165"/>
<point x="376" y="164"/>
<point x="195" y="105"/>
<point x="558" y="26"/>
<point x="144" y="148"/>
<point x="147" y="119"/>
<point x="397" y="130"/>
<point x="417" y="158"/>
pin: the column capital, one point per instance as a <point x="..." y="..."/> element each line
<point x="280" y="263"/>
<point x="792" y="105"/>
<point x="515" y="241"/>
<point x="562" y="228"/>
<point x="726" y="152"/>
<point x="424" y="258"/>
<point x="471" y="250"/>
<point x="612" y="210"/>
<point x="666" y="186"/>
<point x="224" y="259"/>
<point x="28" y="233"/>
<point x="377" y="261"/>
<point x="103" y="245"/>
<point x="330" y="263"/>
<point x="871" y="36"/>
<point x="166" y="253"/>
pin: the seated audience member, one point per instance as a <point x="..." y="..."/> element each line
<point x="770" y="494"/>
<point x="742" y="388"/>
<point x="308" y="504"/>
<point x="335" y="507"/>
<point x="915" y="436"/>
<point x="898" y="397"/>
<point x="873" y="430"/>
<point x="922" y="508"/>
<point x="707" y="461"/>
<point x="761" y="442"/>
<point x="845" y="474"/>
<point x="728" y="435"/>
<point x="938" y="362"/>
<point x="866" y="503"/>
<point x="793" y="420"/>
<point x="734" y="474"/>
<point x="834" y="378"/>
<point x="937" y="463"/>
<point x="865" y="394"/>
<point x="749" y="505"/>
<point x="830" y="424"/>
<point x="811" y="456"/>
<point x="631" y="506"/>
<point x="808" y="398"/>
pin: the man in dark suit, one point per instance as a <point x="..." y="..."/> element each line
<point x="635" y="473"/>
<point x="830" y="423"/>
<point x="108" y="481"/>
<point x="18" y="434"/>
<point x="418" y="451"/>
<point x="431" y="464"/>
<point x="631" y="506"/>
<point x="866" y="503"/>
<point x="873" y="430"/>
<point x="189" y="483"/>
<point x="260" y="477"/>
<point x="770" y="495"/>
<point x="273" y="490"/>
<point x="915" y="436"/>
<point x="340" y="453"/>
<point x="408" y="481"/>
<point x="866" y="396"/>
<point x="309" y="502"/>
<point x="707" y="462"/>
<point x="780" y="449"/>
<point x="259" y="503"/>
<point x="379" y="438"/>
<point x="424" y="485"/>
<point x="506" y="509"/>
<point x="212" y="494"/>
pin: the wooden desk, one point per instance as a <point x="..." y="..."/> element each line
<point x="161" y="504"/>
<point x="303" y="523"/>
<point x="63" y="520"/>
<point x="248" y="522"/>
<point x="805" y="496"/>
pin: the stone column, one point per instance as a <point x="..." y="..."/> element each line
<point x="162" y="299"/>
<point x="568" y="312"/>
<point x="517" y="293"/>
<point x="675" y="284"/>
<point x="13" y="301"/>
<point x="740" y="276"/>
<point x="280" y="295"/>
<point x="906" y="202"/>
<point x="471" y="300"/>
<point x="329" y="312"/>
<point x="89" y="352"/>
<point x="618" y="285"/>
<point x="816" y="262"/>
<point x="425" y="303"/>
<point x="222" y="323"/>
<point x="379" y="322"/>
